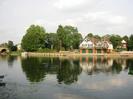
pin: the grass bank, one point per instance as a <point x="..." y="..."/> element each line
<point x="15" y="53"/>
<point x="73" y="54"/>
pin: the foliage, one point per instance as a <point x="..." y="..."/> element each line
<point x="130" y="43"/>
<point x="93" y="37"/>
<point x="66" y="38"/>
<point x="69" y="37"/>
<point x="47" y="50"/>
<point x="89" y="35"/>
<point x="125" y="38"/>
<point x="34" y="38"/>
<point x="77" y="38"/>
<point x="51" y="41"/>
<point x="11" y="46"/>
<point x="115" y="40"/>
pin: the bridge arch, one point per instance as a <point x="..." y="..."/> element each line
<point x="3" y="50"/>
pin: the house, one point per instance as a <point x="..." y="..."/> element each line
<point x="90" y="46"/>
<point x="87" y="46"/>
<point x="123" y="44"/>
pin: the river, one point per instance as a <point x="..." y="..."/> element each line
<point x="66" y="78"/>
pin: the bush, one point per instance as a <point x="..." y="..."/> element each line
<point x="46" y="50"/>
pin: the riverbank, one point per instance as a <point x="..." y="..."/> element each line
<point x="72" y="54"/>
<point x="15" y="53"/>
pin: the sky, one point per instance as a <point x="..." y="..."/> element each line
<point x="99" y="17"/>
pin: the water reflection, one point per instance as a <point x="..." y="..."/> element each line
<point x="11" y="60"/>
<point x="2" y="84"/>
<point x="93" y="65"/>
<point x="68" y="70"/>
<point x="66" y="77"/>
<point x="130" y="65"/>
<point x="34" y="69"/>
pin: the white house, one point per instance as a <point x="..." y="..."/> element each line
<point x="88" y="46"/>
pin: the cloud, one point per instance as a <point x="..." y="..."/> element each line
<point x="61" y="4"/>
<point x="107" y="84"/>
<point x="97" y="19"/>
<point x="117" y="19"/>
<point x="96" y="16"/>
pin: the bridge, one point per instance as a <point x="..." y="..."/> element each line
<point x="4" y="50"/>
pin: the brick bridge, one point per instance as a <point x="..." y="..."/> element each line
<point x="4" y="50"/>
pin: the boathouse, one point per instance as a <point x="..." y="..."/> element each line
<point x="89" y="46"/>
<point x="124" y="45"/>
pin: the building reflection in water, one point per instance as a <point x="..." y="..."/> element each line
<point x="95" y="64"/>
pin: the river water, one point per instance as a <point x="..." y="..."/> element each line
<point x="66" y="78"/>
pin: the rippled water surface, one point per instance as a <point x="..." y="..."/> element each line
<point x="66" y="78"/>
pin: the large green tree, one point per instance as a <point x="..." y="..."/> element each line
<point x="51" y="41"/>
<point x="115" y="40"/>
<point x="77" y="38"/>
<point x="130" y="43"/>
<point x="34" y="38"/>
<point x="68" y="36"/>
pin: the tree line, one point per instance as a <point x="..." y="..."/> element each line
<point x="66" y="38"/>
<point x="114" y="39"/>
<point x="36" y="39"/>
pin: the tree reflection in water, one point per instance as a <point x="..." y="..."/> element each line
<point x="68" y="70"/>
<point x="130" y="66"/>
<point x="11" y="60"/>
<point x="36" y="68"/>
<point x="33" y="68"/>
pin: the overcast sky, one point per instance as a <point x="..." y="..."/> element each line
<point x="89" y="16"/>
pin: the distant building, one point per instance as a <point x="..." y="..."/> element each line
<point x="90" y="46"/>
<point x="123" y="44"/>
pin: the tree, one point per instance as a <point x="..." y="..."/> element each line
<point x="115" y="40"/>
<point x="89" y="35"/>
<point x="68" y="36"/>
<point x="77" y="38"/>
<point x="61" y="35"/>
<point x="34" y="38"/>
<point x="51" y="41"/>
<point x="10" y="45"/>
<point x="125" y="38"/>
<point x="130" y="43"/>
